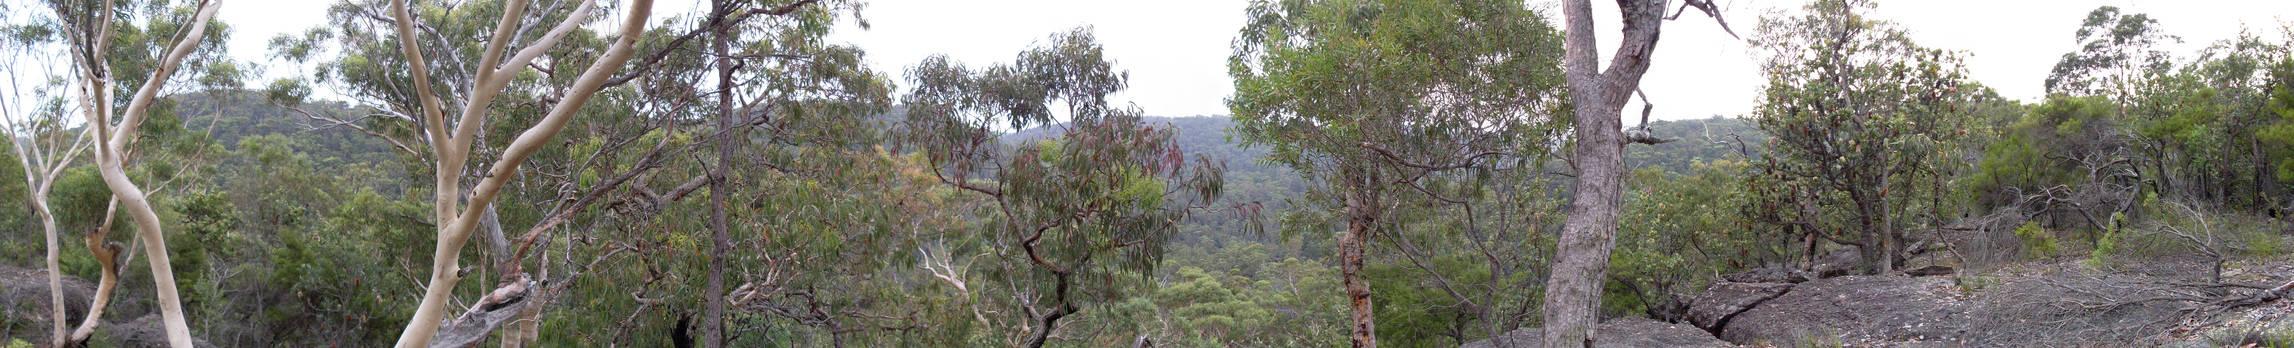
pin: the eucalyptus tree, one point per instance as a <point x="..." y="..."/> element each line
<point x="1384" y="103"/>
<point x="92" y="30"/>
<point x="1072" y="221"/>
<point x="34" y="120"/>
<point x="776" y="102"/>
<point x="2117" y="51"/>
<point x="792" y="112"/>
<point x="783" y="75"/>
<point x="1861" y="118"/>
<point x="2200" y="123"/>
<point x="2241" y="68"/>
<point x="2119" y="55"/>
<point x="556" y="93"/>
<point x="1588" y="234"/>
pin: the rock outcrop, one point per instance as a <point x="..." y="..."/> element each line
<point x="146" y="332"/>
<point x="1855" y="310"/>
<point x="1723" y="300"/>
<point x="1617" y="333"/>
<point x="24" y="299"/>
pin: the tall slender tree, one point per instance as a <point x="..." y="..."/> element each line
<point x="88" y="26"/>
<point x="34" y="121"/>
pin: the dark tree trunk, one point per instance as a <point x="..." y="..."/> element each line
<point x="1049" y="321"/>
<point x="713" y="321"/>
<point x="1361" y="215"/>
<point x="1588" y="235"/>
<point x="1879" y="242"/>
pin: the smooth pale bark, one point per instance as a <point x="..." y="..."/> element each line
<point x="55" y="264"/>
<point x="39" y="199"/>
<point x="1588" y="235"/>
<point x="41" y="167"/>
<point x="138" y="207"/>
<point x="111" y="147"/>
<point x="456" y="223"/>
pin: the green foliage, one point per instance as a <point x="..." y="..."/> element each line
<point x="1408" y="132"/>
<point x="1864" y="121"/>
<point x="2206" y="127"/>
<point x="79" y="200"/>
<point x="1315" y="81"/>
<point x="1000" y="190"/>
<point x="1207" y="306"/>
<point x="2108" y="244"/>
<point x="12" y="187"/>
<point x="2278" y="131"/>
<point x="1078" y="221"/>
<point x="1294" y="55"/>
<point x="2179" y="229"/>
<point x="2114" y="49"/>
<point x="2045" y="147"/>
<point x="2038" y="243"/>
<point x="1679" y="232"/>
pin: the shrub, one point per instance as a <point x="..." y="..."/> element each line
<point x="2038" y="243"/>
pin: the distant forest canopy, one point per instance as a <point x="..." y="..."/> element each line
<point x="734" y="178"/>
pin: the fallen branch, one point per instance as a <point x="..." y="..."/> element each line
<point x="498" y="307"/>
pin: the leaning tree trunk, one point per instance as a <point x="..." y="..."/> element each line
<point x="107" y="256"/>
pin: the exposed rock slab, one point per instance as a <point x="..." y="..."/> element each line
<point x="1768" y="274"/>
<point x="1855" y="310"/>
<point x="1839" y="262"/>
<point x="1723" y="300"/>
<point x="147" y="332"/>
<point x="1615" y="333"/>
<point x="24" y="299"/>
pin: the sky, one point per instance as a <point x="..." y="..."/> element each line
<point x="1176" y="50"/>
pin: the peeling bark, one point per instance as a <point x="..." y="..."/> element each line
<point x="1360" y="217"/>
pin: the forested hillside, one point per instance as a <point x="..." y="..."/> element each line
<point x="1410" y="173"/>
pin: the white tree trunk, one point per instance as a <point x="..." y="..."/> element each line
<point x="111" y="152"/>
<point x="55" y="266"/>
<point x="455" y="226"/>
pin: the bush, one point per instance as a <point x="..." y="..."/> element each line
<point x="2038" y="243"/>
<point x="2108" y="243"/>
<point x="2176" y="229"/>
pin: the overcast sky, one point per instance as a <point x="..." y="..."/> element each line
<point x="1176" y="50"/>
